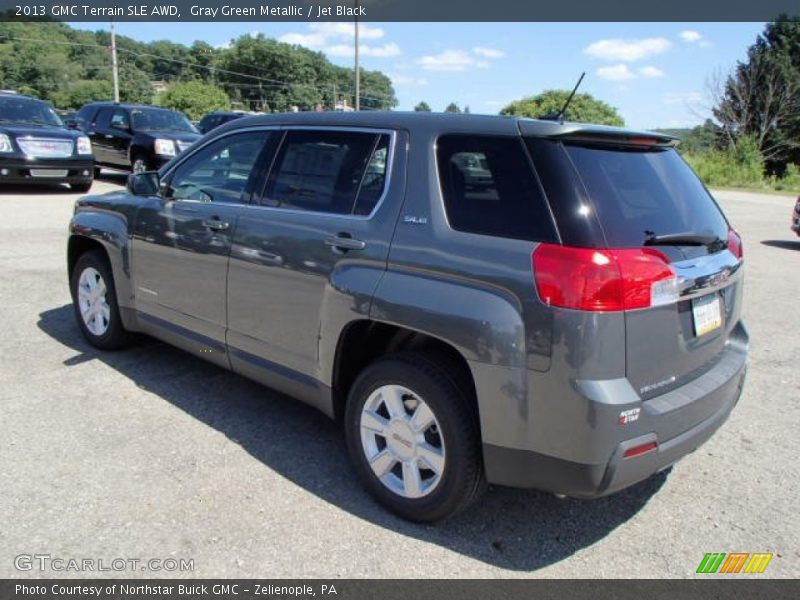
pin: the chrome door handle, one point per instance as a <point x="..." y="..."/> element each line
<point x="216" y="224"/>
<point x="109" y="136"/>
<point x="343" y="242"/>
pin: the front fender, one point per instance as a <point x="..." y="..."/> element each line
<point x="110" y="230"/>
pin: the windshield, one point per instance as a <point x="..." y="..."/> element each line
<point x="645" y="194"/>
<point x="161" y="120"/>
<point x="25" y="110"/>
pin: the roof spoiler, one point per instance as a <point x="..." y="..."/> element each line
<point x="595" y="134"/>
<point x="638" y="140"/>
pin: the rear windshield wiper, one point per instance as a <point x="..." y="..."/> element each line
<point x="681" y="239"/>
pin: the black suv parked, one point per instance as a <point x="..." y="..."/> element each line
<point x="528" y="303"/>
<point x="134" y="137"/>
<point x="215" y="119"/>
<point x="35" y="147"/>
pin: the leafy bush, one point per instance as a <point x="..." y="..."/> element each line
<point x="741" y="165"/>
<point x="789" y="181"/>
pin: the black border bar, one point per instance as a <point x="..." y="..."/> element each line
<point x="705" y="587"/>
<point x="398" y="10"/>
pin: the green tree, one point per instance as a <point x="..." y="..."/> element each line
<point x="452" y="108"/>
<point x="134" y="84"/>
<point x="422" y="107"/>
<point x="761" y="97"/>
<point x="584" y="108"/>
<point x="81" y="92"/>
<point x="194" y="98"/>
<point x="703" y="138"/>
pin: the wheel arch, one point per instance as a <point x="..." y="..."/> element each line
<point x="364" y="341"/>
<point x="107" y="232"/>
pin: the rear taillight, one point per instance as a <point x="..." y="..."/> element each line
<point x="735" y="244"/>
<point x="603" y="280"/>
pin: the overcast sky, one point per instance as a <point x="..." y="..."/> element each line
<point x="654" y="73"/>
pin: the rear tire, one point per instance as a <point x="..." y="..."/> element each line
<point x="413" y="437"/>
<point x="94" y="299"/>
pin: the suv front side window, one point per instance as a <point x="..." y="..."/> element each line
<point x="120" y="120"/>
<point x="220" y="171"/>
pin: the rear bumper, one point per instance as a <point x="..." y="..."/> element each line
<point x="678" y="422"/>
<point x="21" y="171"/>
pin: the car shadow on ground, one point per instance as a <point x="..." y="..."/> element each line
<point x="782" y="244"/>
<point x="117" y="177"/>
<point x="513" y="529"/>
<point x="35" y="189"/>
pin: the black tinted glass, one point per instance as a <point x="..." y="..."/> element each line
<point x="154" y="119"/>
<point x="24" y="110"/>
<point x="637" y="194"/>
<point x="490" y="188"/>
<point x="320" y="170"/>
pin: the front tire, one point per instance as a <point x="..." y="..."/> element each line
<point x="81" y="188"/>
<point x="413" y="436"/>
<point x="94" y="299"/>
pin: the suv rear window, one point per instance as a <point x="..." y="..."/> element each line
<point x="638" y="193"/>
<point x="490" y="188"/>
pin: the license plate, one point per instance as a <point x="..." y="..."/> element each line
<point x="707" y="313"/>
<point x="48" y="173"/>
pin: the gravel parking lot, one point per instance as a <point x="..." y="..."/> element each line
<point x="151" y="453"/>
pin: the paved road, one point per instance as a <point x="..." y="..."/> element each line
<point x="150" y="453"/>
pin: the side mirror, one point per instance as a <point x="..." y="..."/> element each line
<point x="71" y="123"/>
<point x="120" y="126"/>
<point x="144" y="184"/>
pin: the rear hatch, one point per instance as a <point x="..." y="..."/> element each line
<point x="634" y="198"/>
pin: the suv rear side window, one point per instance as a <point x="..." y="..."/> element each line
<point x="342" y="172"/>
<point x="639" y="193"/>
<point x="490" y="188"/>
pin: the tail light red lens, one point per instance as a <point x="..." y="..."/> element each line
<point x="735" y="244"/>
<point x="603" y="280"/>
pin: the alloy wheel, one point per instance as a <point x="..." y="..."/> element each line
<point x="402" y="441"/>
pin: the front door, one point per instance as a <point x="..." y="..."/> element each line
<point x="119" y="138"/>
<point x="100" y="135"/>
<point x="183" y="239"/>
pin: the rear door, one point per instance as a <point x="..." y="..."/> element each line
<point x="320" y="213"/>
<point x="647" y="197"/>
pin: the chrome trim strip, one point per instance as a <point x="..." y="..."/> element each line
<point x="706" y="274"/>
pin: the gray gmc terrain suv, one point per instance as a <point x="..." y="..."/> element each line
<point x="480" y="299"/>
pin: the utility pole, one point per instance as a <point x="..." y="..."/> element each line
<point x="114" y="69"/>
<point x="358" y="71"/>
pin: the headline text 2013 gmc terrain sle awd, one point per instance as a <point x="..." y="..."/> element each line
<point x="480" y="299"/>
